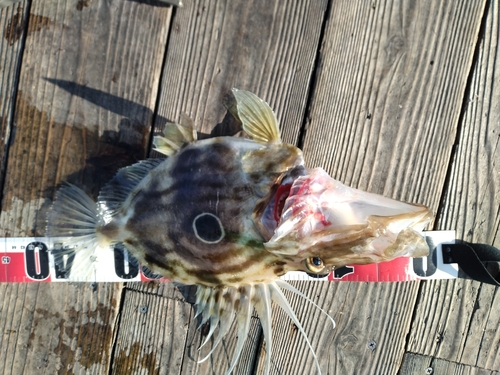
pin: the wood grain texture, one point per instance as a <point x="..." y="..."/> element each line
<point x="12" y="22"/>
<point x="468" y="320"/>
<point x="84" y="96"/>
<point x="185" y="293"/>
<point x="385" y="109"/>
<point x="267" y="47"/>
<point x="415" y="364"/>
<point x="220" y="360"/>
<point x="84" y="108"/>
<point x="151" y="336"/>
<point x="472" y="201"/>
<point x="57" y="328"/>
<point x="443" y="317"/>
<point x="384" y="116"/>
<point x="7" y="3"/>
<point x="363" y="316"/>
<point x="458" y="321"/>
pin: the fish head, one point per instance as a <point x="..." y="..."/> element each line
<point x="318" y="224"/>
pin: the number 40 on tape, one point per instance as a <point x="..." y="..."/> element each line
<point x="46" y="259"/>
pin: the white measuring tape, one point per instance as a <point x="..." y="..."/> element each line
<point x="42" y="259"/>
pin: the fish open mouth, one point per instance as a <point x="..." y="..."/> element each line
<point x="271" y="216"/>
<point x="309" y="208"/>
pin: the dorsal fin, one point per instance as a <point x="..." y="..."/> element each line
<point x="257" y="118"/>
<point x="175" y="136"/>
<point x="112" y="195"/>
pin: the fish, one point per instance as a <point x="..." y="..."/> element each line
<point x="232" y="215"/>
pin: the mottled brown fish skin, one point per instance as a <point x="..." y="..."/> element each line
<point x="191" y="219"/>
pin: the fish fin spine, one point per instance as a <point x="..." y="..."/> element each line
<point x="221" y="305"/>
<point x="175" y="137"/>
<point x="115" y="192"/>
<point x="257" y="117"/>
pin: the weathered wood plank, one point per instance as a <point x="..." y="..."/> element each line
<point x="220" y="360"/>
<point x="458" y="321"/>
<point x="83" y="95"/>
<point x="87" y="91"/>
<point x="383" y="117"/>
<point x="467" y="321"/>
<point x="370" y="333"/>
<point x="472" y="200"/>
<point x="7" y="3"/>
<point x="419" y="364"/>
<point x="443" y="305"/>
<point x="483" y="342"/>
<point x="152" y="335"/>
<point x="267" y="47"/>
<point x="57" y="328"/>
<point x="166" y="290"/>
<point x="12" y="21"/>
<point x="385" y="110"/>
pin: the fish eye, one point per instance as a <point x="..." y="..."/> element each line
<point x="208" y="228"/>
<point x="314" y="264"/>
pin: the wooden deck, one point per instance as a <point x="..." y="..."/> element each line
<point x="400" y="98"/>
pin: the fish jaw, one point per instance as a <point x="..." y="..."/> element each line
<point x="335" y="225"/>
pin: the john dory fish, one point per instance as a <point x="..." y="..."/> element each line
<point x="231" y="215"/>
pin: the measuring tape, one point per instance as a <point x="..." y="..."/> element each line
<point x="42" y="259"/>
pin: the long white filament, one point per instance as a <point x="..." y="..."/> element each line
<point x="243" y="319"/>
<point x="263" y="307"/>
<point x="285" y="285"/>
<point x="281" y="300"/>
<point x="220" y="306"/>
<point x="225" y="324"/>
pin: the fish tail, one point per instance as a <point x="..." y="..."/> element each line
<point x="74" y="219"/>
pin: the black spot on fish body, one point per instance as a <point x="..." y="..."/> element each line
<point x="208" y="228"/>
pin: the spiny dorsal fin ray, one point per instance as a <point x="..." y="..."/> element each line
<point x="257" y="118"/>
<point x="112" y="195"/>
<point x="175" y="136"/>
